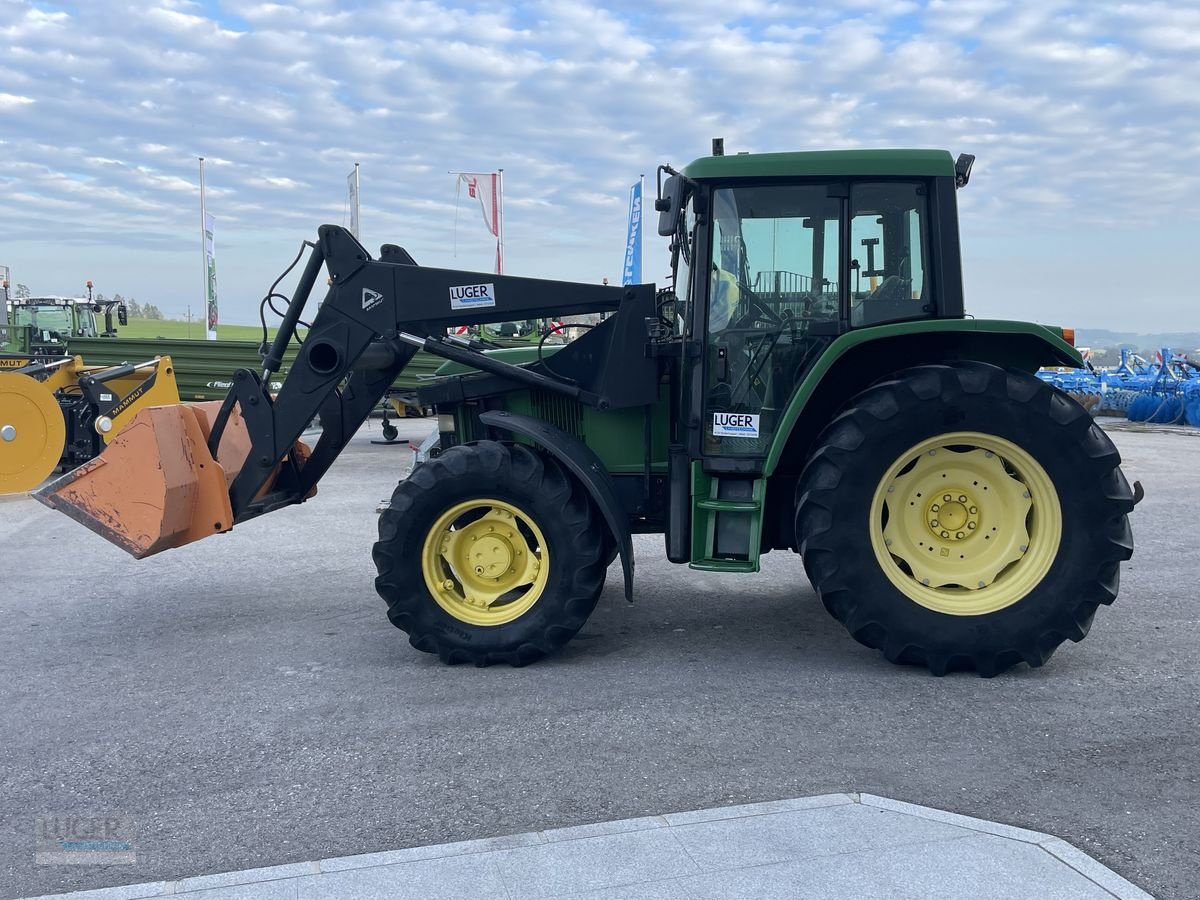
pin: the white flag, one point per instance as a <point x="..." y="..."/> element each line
<point x="487" y="188"/>
<point x="352" y="184"/>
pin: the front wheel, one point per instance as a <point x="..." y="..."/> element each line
<point x="489" y="553"/>
<point x="964" y="517"/>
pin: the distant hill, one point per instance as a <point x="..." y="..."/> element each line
<point x="1179" y="341"/>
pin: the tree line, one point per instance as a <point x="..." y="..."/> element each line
<point x="136" y="310"/>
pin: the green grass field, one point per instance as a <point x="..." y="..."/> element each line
<point x="174" y="329"/>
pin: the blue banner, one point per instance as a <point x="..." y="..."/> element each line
<point x="633" y="238"/>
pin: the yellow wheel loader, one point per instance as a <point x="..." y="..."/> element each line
<point x="62" y="413"/>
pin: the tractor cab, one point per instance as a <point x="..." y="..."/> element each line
<point x="775" y="256"/>
<point x="54" y="319"/>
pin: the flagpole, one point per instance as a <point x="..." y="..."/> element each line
<point x="500" y="229"/>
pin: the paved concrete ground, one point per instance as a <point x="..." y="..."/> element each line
<point x="245" y="702"/>
<point x="833" y="846"/>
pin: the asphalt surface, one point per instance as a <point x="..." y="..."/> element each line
<point x="246" y="703"/>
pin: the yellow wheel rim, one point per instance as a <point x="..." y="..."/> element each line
<point x="485" y="562"/>
<point x="965" y="523"/>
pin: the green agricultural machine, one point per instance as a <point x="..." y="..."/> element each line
<point x="809" y="383"/>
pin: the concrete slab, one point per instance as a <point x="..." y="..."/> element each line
<point x="831" y="846"/>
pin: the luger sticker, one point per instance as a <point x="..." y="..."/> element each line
<point x="472" y="296"/>
<point x="735" y="425"/>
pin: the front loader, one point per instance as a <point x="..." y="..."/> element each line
<point x="809" y="383"/>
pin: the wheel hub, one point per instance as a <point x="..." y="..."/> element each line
<point x="953" y="516"/>
<point x="491" y="556"/>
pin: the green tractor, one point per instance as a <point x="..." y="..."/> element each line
<point x="53" y="321"/>
<point x="809" y="383"/>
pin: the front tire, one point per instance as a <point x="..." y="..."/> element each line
<point x="964" y="517"/>
<point x="489" y="553"/>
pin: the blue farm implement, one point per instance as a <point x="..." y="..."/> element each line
<point x="1166" y="392"/>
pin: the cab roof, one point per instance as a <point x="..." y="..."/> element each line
<point x="823" y="163"/>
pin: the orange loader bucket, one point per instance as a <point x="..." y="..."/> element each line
<point x="156" y="486"/>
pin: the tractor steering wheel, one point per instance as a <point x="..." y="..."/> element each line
<point x="756" y="310"/>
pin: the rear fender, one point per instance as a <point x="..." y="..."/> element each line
<point x="585" y="465"/>
<point x="860" y="357"/>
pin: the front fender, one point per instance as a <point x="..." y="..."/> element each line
<point x="585" y="465"/>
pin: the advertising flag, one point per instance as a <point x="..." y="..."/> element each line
<point x="486" y="188"/>
<point x="352" y="186"/>
<point x="211" y="282"/>
<point x="633" y="237"/>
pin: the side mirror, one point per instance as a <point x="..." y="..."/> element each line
<point x="122" y="314"/>
<point x="670" y="205"/>
<point x="962" y="169"/>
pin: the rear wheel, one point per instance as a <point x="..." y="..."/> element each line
<point x="964" y="517"/>
<point x="489" y="553"/>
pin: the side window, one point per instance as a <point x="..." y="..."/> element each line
<point x="889" y="253"/>
<point x="684" y="245"/>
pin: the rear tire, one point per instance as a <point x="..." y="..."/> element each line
<point x="516" y="507"/>
<point x="1014" y="563"/>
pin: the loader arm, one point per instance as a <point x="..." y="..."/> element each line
<point x="368" y="327"/>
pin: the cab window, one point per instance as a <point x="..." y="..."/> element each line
<point x="889" y="252"/>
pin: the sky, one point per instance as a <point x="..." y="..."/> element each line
<point x="1084" y="119"/>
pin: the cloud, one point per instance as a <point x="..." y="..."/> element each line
<point x="1082" y="114"/>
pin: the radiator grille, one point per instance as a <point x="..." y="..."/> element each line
<point x="558" y="410"/>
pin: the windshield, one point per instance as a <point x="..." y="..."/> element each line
<point x="45" y="317"/>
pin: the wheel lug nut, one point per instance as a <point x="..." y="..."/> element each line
<point x="962" y="498"/>
<point x="945" y="534"/>
<point x="935" y="507"/>
<point x="972" y="510"/>
<point x="947" y="498"/>
<point x="933" y="524"/>
<point x="971" y="526"/>
<point x="960" y="536"/>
